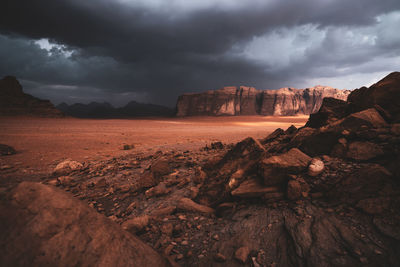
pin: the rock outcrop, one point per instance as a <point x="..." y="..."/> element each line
<point x="250" y="101"/>
<point x="43" y="226"/>
<point x="13" y="101"/>
<point x="339" y="208"/>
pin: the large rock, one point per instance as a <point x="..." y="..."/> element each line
<point x="369" y="118"/>
<point x="385" y="93"/>
<point x="361" y="184"/>
<point x="275" y="169"/>
<point x="238" y="163"/>
<point x="13" y="101"/>
<point x="253" y="188"/>
<point x="361" y="151"/>
<point x="43" y="226"/>
<point x="250" y="101"/>
<point x="331" y="110"/>
<point x="67" y="166"/>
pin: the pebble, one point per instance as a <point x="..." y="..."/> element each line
<point x="219" y="257"/>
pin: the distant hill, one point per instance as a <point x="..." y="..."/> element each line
<point x="13" y="101"/>
<point x="106" y="110"/>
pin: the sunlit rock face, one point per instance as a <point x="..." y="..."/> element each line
<point x="250" y="101"/>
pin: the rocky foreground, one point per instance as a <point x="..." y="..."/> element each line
<point x="326" y="194"/>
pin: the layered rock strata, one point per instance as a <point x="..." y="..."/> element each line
<point x="250" y="101"/>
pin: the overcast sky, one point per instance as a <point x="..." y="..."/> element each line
<point x="155" y="50"/>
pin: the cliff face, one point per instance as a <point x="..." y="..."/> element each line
<point x="13" y="101"/>
<point x="250" y="101"/>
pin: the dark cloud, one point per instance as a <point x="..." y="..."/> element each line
<point x="154" y="51"/>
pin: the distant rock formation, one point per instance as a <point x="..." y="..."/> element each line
<point x="106" y="110"/>
<point x="250" y="101"/>
<point x="13" y="101"/>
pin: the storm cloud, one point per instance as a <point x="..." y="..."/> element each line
<point x="154" y="50"/>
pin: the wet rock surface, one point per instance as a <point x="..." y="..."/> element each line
<point x="326" y="195"/>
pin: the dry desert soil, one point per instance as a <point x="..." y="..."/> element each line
<point x="43" y="142"/>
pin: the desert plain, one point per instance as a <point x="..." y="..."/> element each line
<point x="41" y="143"/>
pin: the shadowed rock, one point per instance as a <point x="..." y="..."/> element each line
<point x="43" y="226"/>
<point x="275" y="169"/>
<point x="6" y="150"/>
<point x="13" y="101"/>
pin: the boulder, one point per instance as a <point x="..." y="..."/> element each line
<point x="374" y="206"/>
<point x="217" y="145"/>
<point x="297" y="188"/>
<point x="241" y="254"/>
<point x="6" y="150"/>
<point x="361" y="184"/>
<point x="160" y="168"/>
<point x="158" y="190"/>
<point x="222" y="176"/>
<point x="136" y="224"/>
<point x="316" y="167"/>
<point x="275" y="134"/>
<point x="385" y="93"/>
<point x="369" y="118"/>
<point x="275" y="169"/>
<point x="314" y="142"/>
<point x="331" y="110"/>
<point x="67" y="166"/>
<point x="187" y="204"/>
<point x="44" y="226"/>
<point x="253" y="188"/>
<point x="362" y="151"/>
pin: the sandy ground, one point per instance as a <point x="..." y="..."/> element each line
<point x="43" y="142"/>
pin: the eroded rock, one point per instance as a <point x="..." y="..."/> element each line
<point x="275" y="169"/>
<point x="43" y="226"/>
<point x="67" y="166"/>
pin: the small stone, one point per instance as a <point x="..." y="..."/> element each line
<point x="316" y="167"/>
<point x="159" y="190"/>
<point x="128" y="147"/>
<point x="219" y="257"/>
<point x="66" y="180"/>
<point x="136" y="224"/>
<point x="167" y="229"/>
<point x="168" y="249"/>
<point x="131" y="207"/>
<point x="189" y="205"/>
<point x="242" y="254"/>
<point x="53" y="182"/>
